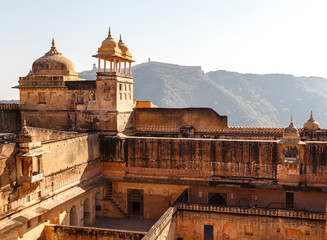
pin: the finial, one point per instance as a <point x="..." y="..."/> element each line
<point x="311" y="115"/>
<point x="120" y="38"/>
<point x="292" y="119"/>
<point x="53" y="43"/>
<point x="109" y="34"/>
<point x="24" y="123"/>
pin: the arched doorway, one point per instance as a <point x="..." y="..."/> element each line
<point x="135" y="202"/>
<point x="73" y="218"/>
<point x="87" y="212"/>
<point x="218" y="199"/>
<point x="97" y="205"/>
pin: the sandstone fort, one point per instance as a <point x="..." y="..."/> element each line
<point x="76" y="153"/>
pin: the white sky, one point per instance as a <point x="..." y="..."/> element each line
<point x="248" y="36"/>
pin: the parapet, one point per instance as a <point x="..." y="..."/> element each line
<point x="9" y="106"/>
<point x="173" y="119"/>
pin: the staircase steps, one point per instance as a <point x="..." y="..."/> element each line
<point x="108" y="196"/>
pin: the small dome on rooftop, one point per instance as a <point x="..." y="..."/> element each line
<point x="311" y="124"/>
<point x="109" y="44"/>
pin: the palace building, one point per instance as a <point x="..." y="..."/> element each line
<point x="77" y="155"/>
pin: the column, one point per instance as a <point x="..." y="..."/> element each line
<point x="105" y="65"/>
<point x="99" y="67"/>
<point x="119" y="66"/>
<point x="115" y="65"/>
<point x="125" y="67"/>
<point x="130" y="70"/>
<point x="110" y="66"/>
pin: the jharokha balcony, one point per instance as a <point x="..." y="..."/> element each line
<point x="33" y="178"/>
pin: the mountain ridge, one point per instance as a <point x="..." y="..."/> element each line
<point x="248" y="99"/>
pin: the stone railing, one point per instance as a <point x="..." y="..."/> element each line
<point x="9" y="106"/>
<point x="33" y="178"/>
<point x="253" y="211"/>
<point x="250" y="130"/>
<point x="230" y="130"/>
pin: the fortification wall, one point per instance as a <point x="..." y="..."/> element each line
<point x="9" y="118"/>
<point x="211" y="159"/>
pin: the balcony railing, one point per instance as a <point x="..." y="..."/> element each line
<point x="253" y="211"/>
<point x="34" y="178"/>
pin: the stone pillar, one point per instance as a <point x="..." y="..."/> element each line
<point x="130" y="70"/>
<point x="125" y="67"/>
<point x="115" y="65"/>
<point x="105" y="65"/>
<point x="99" y="67"/>
<point x="110" y="66"/>
<point x="119" y="66"/>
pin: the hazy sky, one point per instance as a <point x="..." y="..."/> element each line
<point x="248" y="36"/>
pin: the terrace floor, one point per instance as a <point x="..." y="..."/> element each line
<point x="128" y="224"/>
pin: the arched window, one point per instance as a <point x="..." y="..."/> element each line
<point x="73" y="218"/>
<point x="87" y="212"/>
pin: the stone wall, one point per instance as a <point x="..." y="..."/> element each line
<point x="70" y="161"/>
<point x="232" y="226"/>
<point x="58" y="232"/>
<point x="212" y="159"/>
<point x="9" y="118"/>
<point x="171" y="120"/>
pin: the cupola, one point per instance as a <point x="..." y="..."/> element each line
<point x="311" y="124"/>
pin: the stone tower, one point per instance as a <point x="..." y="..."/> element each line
<point x="116" y="81"/>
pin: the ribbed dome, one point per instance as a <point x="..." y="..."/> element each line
<point x="53" y="63"/>
<point x="311" y="124"/>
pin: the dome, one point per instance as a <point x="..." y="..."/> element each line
<point x="291" y="133"/>
<point x="291" y="129"/>
<point x="110" y="45"/>
<point x="53" y="63"/>
<point x="124" y="49"/>
<point x="311" y="124"/>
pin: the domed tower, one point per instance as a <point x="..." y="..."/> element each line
<point x="44" y="98"/>
<point x="116" y="81"/>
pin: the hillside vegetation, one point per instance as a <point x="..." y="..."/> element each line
<point x="247" y="99"/>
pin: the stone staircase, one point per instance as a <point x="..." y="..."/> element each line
<point x="108" y="196"/>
